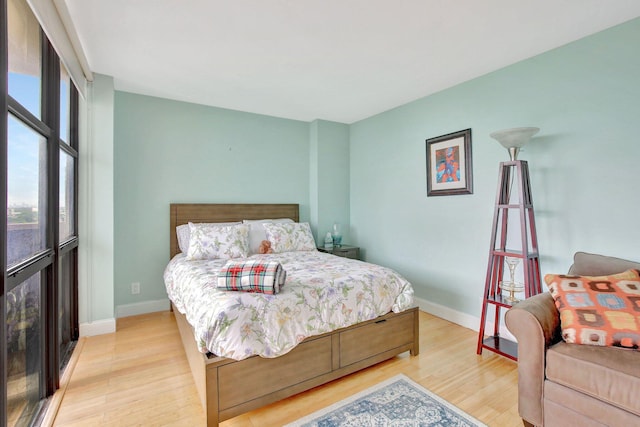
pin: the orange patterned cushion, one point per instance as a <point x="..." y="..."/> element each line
<point x="603" y="310"/>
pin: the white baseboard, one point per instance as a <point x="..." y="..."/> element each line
<point x="463" y="319"/>
<point x="99" y="327"/>
<point x="107" y="326"/>
<point x="145" y="307"/>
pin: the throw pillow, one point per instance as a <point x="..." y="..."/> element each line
<point x="183" y="233"/>
<point x="598" y="310"/>
<point x="290" y="237"/>
<point x="257" y="232"/>
<point x="209" y="241"/>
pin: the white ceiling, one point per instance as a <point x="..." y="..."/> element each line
<point x="339" y="60"/>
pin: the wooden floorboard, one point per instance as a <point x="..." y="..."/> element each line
<point x="139" y="375"/>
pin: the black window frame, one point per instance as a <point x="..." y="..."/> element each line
<point x="47" y="261"/>
<point x="4" y="65"/>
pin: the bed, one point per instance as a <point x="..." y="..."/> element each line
<point x="229" y="387"/>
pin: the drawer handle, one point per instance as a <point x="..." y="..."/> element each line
<point x="381" y="321"/>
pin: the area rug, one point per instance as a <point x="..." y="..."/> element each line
<point x="396" y="402"/>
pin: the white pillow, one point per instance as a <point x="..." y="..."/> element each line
<point x="290" y="237"/>
<point x="209" y="241"/>
<point x="182" y="232"/>
<point x="257" y="232"/>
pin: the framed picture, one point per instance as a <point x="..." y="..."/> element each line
<point x="449" y="169"/>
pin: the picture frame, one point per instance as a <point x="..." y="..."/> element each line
<point x="449" y="164"/>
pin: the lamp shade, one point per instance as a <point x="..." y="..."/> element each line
<point x="514" y="139"/>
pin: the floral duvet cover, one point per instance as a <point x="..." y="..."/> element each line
<point x="322" y="293"/>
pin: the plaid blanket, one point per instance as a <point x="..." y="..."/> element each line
<point x="265" y="277"/>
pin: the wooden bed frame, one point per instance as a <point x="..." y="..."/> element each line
<point x="228" y="387"/>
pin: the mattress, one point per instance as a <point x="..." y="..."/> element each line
<point x="322" y="293"/>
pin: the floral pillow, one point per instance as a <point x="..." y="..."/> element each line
<point x="290" y="237"/>
<point x="602" y="310"/>
<point x="213" y="241"/>
<point x="183" y="233"/>
<point x="257" y="232"/>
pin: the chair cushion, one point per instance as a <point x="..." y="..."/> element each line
<point x="564" y="407"/>
<point x="605" y="373"/>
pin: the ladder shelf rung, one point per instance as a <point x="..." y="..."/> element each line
<point x="499" y="300"/>
<point x="512" y="206"/>
<point x="530" y="255"/>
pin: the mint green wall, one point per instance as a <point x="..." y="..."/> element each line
<point x="314" y="168"/>
<point x="371" y="175"/>
<point x="329" y="176"/>
<point x="169" y="151"/>
<point x="584" y="96"/>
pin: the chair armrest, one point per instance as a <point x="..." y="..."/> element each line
<point x="535" y="322"/>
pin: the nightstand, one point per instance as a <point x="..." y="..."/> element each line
<point x="343" y="251"/>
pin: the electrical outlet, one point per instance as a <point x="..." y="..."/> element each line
<point x="135" y="288"/>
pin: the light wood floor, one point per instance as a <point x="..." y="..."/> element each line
<point x="140" y="376"/>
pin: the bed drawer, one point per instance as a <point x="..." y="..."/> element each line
<point x="263" y="376"/>
<point x="374" y="338"/>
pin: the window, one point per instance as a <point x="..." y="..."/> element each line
<point x="26" y="192"/>
<point x="66" y="205"/>
<point x="67" y="311"/>
<point x="65" y="92"/>
<point x="24" y="336"/>
<point x="39" y="250"/>
<point x="25" y="56"/>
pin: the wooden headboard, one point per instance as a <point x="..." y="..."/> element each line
<point x="183" y="213"/>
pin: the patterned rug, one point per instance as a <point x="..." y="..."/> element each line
<point x="397" y="402"/>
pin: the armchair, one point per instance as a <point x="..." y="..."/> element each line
<point x="561" y="384"/>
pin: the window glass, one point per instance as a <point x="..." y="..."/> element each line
<point x="26" y="192"/>
<point x="65" y="296"/>
<point x="23" y="351"/>
<point x="65" y="83"/>
<point x="24" y="56"/>
<point x="67" y="227"/>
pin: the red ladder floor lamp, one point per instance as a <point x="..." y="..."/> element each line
<point x="511" y="207"/>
